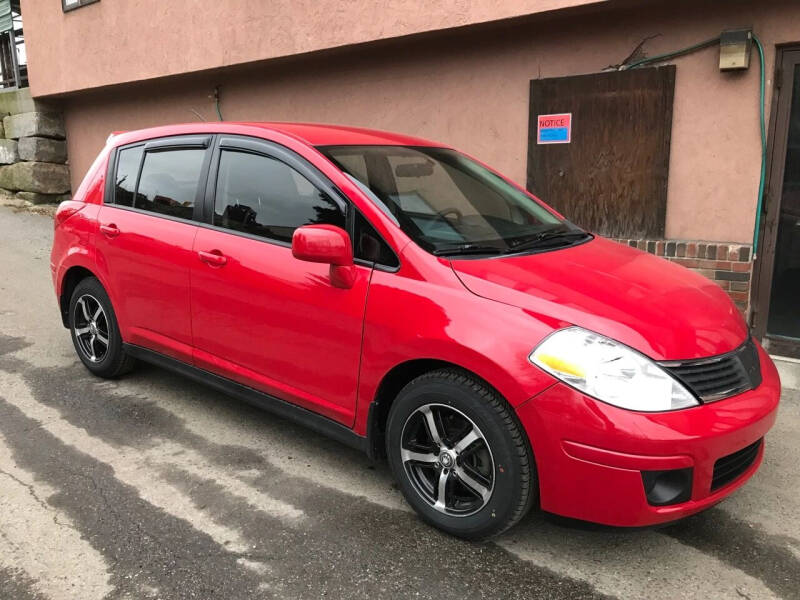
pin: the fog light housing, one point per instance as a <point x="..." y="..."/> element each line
<point x="663" y="488"/>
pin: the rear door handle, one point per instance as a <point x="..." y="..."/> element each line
<point x="215" y="258"/>
<point x="110" y="230"/>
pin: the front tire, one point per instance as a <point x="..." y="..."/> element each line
<point x="459" y="455"/>
<point x="95" y="332"/>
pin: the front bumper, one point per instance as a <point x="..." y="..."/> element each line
<point x="590" y="455"/>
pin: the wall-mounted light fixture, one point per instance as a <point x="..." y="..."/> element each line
<point x="734" y="49"/>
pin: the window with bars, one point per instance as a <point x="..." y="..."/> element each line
<point x="68" y="5"/>
<point x="13" y="60"/>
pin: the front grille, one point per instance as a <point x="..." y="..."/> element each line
<point x="728" y="468"/>
<point x="721" y="376"/>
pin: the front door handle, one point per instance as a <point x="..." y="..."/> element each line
<point x="215" y="258"/>
<point x="110" y="230"/>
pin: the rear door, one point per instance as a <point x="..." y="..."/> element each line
<point x="144" y="243"/>
<point x="262" y="317"/>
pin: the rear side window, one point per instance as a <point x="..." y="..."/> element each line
<point x="128" y="161"/>
<point x="265" y="197"/>
<point x="168" y="183"/>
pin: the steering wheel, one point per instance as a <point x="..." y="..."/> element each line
<point x="450" y="210"/>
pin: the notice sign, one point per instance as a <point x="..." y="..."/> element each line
<point x="554" y="129"/>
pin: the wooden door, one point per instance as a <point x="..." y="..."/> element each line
<point x="611" y="177"/>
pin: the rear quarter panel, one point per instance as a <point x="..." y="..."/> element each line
<point x="73" y="240"/>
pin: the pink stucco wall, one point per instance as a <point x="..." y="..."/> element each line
<point x="85" y="48"/>
<point x="471" y="90"/>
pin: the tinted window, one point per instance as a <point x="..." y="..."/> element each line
<point x="266" y="197"/>
<point x="168" y="183"/>
<point x="368" y="244"/>
<point x="125" y="179"/>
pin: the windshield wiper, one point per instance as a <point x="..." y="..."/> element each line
<point x="548" y="236"/>
<point x="467" y="248"/>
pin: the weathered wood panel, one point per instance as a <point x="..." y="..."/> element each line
<point x="612" y="177"/>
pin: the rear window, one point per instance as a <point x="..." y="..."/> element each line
<point x="128" y="161"/>
<point x="169" y="180"/>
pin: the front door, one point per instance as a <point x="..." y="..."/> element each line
<point x="777" y="290"/>
<point x="260" y="316"/>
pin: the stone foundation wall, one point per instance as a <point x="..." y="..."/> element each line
<point x="730" y="266"/>
<point x="33" y="157"/>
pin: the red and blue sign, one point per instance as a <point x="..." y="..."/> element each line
<point x="554" y="129"/>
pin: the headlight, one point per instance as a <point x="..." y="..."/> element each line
<point x="609" y="371"/>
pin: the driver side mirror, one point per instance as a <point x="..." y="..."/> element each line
<point x="326" y="244"/>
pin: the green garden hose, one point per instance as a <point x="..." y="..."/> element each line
<point x="668" y="55"/>
<point x="762" y="180"/>
<point x="762" y="119"/>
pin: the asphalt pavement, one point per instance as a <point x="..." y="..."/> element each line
<point x="153" y="486"/>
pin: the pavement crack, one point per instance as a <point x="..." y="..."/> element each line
<point x="41" y="502"/>
<point x="101" y="494"/>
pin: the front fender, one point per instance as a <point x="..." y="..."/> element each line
<point x="410" y="319"/>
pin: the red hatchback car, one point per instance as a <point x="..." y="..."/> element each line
<point x="408" y="300"/>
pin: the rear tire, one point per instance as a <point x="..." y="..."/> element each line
<point x="95" y="331"/>
<point x="474" y="477"/>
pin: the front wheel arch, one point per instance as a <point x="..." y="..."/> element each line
<point x="395" y="380"/>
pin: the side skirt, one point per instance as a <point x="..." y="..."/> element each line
<point x="274" y="405"/>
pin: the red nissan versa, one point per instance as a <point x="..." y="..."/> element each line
<point x="409" y="301"/>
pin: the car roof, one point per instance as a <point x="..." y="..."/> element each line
<point x="313" y="134"/>
<point x="318" y="134"/>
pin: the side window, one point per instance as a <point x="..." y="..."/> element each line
<point x="128" y="161"/>
<point x="265" y="197"/>
<point x="368" y="244"/>
<point x="168" y="183"/>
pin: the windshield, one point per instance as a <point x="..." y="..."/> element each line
<point x="448" y="203"/>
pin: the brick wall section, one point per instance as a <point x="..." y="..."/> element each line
<point x="728" y="265"/>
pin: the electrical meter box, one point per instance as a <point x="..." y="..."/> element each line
<point x="734" y="49"/>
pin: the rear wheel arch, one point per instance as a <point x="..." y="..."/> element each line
<point x="95" y="331"/>
<point x="69" y="282"/>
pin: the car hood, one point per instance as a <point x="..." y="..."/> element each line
<point x="661" y="309"/>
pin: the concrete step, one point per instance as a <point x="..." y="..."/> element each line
<point x="789" y="370"/>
